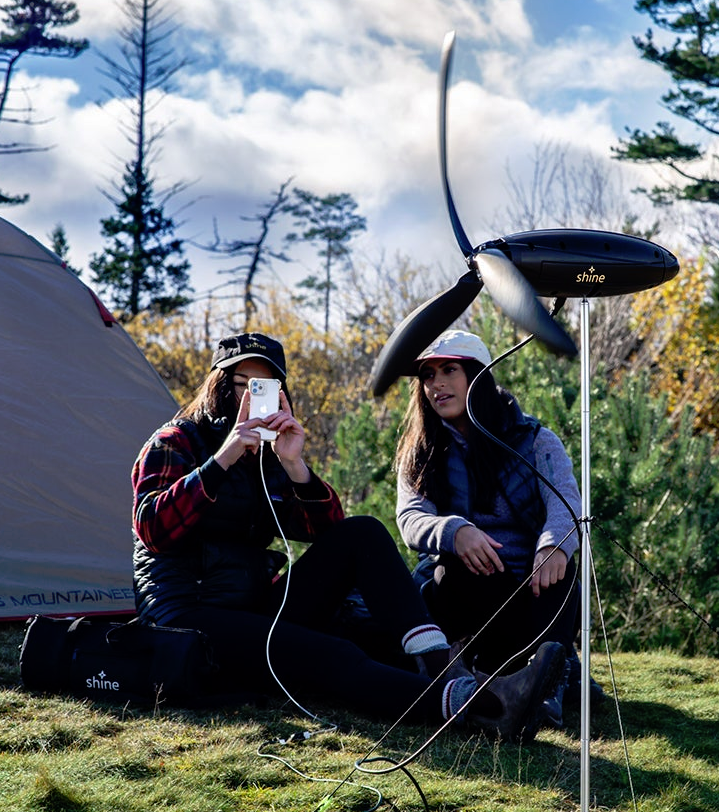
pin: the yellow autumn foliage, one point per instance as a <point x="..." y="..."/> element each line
<point x="680" y="343"/>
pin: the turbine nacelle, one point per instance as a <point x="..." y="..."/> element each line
<point x="570" y="263"/>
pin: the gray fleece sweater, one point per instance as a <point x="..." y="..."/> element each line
<point x="427" y="532"/>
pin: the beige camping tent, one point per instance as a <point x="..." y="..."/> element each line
<point x="77" y="400"/>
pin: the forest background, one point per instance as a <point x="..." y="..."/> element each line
<point x="654" y="355"/>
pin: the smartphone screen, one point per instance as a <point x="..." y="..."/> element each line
<point x="264" y="401"/>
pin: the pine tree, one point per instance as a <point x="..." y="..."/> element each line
<point x="363" y="473"/>
<point x="60" y="245"/>
<point x="143" y="267"/>
<point x="692" y="63"/>
<point x="30" y="31"/>
<point x="331" y="222"/>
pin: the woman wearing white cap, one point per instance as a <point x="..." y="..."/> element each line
<point x="479" y="517"/>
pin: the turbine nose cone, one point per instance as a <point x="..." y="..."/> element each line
<point x="671" y="265"/>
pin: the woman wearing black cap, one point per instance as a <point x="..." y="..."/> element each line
<point x="208" y="502"/>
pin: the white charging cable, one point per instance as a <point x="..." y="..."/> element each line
<point x="279" y="682"/>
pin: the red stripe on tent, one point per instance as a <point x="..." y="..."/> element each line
<point x="105" y="314"/>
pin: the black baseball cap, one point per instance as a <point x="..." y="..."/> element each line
<point x="233" y="349"/>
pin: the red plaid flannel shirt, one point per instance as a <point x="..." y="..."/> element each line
<point x="170" y="497"/>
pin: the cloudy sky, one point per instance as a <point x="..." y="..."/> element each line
<point x="341" y="95"/>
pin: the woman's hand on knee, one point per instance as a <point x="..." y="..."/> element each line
<point x="550" y="566"/>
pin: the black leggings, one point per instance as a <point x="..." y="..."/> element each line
<point x="357" y="553"/>
<point x="462" y="603"/>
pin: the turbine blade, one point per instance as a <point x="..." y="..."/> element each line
<point x="459" y="232"/>
<point x="517" y="299"/>
<point x="420" y="328"/>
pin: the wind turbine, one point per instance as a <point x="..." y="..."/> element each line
<point x="515" y="269"/>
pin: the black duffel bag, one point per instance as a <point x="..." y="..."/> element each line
<point x="116" y="662"/>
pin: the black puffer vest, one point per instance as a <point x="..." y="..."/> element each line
<point x="517" y="481"/>
<point x="222" y="560"/>
<point x="519" y="511"/>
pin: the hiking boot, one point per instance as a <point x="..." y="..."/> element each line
<point x="552" y="711"/>
<point x="573" y="693"/>
<point x="436" y="663"/>
<point x="522" y="695"/>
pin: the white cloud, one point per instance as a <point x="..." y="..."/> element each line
<point x="335" y="45"/>
<point x="586" y="63"/>
<point x="342" y="96"/>
<point x="98" y="19"/>
<point x="224" y="94"/>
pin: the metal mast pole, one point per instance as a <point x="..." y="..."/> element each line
<point x="585" y="558"/>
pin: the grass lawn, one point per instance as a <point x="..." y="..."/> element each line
<point x="66" y="755"/>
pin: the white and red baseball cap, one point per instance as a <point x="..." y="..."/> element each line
<point x="454" y="344"/>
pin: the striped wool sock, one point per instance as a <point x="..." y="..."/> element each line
<point x="424" y="638"/>
<point x="456" y="693"/>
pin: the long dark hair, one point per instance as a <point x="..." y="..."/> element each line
<point x="424" y="443"/>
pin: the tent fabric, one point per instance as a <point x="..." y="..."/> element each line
<point x="77" y="399"/>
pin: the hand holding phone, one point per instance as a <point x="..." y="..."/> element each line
<point x="264" y="401"/>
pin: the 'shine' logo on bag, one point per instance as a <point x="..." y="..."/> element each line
<point x="101" y="681"/>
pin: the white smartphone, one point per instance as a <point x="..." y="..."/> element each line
<point x="264" y="401"/>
